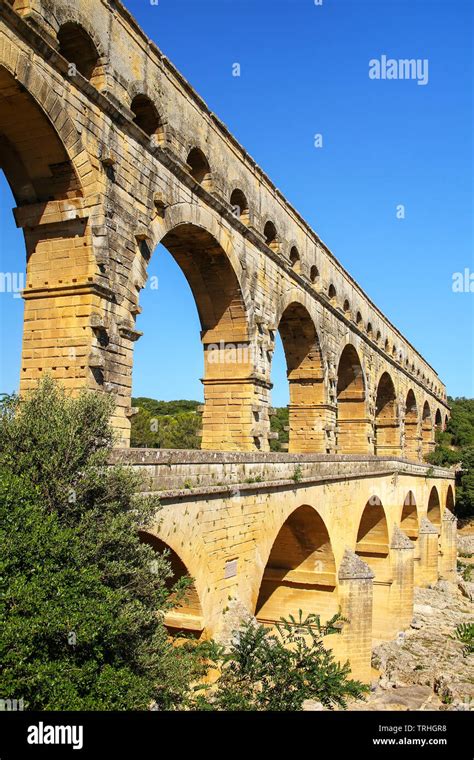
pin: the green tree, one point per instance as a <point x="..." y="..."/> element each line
<point x="82" y="599"/>
<point x="279" y="670"/>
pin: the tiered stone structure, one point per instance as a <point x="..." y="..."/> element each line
<point x="109" y="152"/>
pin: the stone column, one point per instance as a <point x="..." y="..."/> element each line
<point x="428" y="551"/>
<point x="448" y="546"/>
<point x="355" y="580"/>
<point x="309" y="425"/>
<point x="402" y="552"/>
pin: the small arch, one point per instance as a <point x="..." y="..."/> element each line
<point x="359" y="320"/>
<point x="387" y="430"/>
<point x="387" y="345"/>
<point x="370" y="330"/>
<point x="347" y="308"/>
<point x="314" y="274"/>
<point x="394" y="350"/>
<point x="332" y="295"/>
<point x="271" y="237"/>
<point x="146" y="116"/>
<point x="434" y="508"/>
<point x="77" y="47"/>
<point x="295" y="259"/>
<point x="187" y="615"/>
<point x="378" y="337"/>
<point x="438" y="420"/>
<point x="300" y="573"/>
<point x="240" y="206"/>
<point x="198" y="167"/>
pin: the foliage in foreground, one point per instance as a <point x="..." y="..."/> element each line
<point x="79" y="591"/>
<point x="279" y="670"/>
<point x="465" y="634"/>
<point x="82" y="599"/>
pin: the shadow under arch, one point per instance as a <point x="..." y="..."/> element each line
<point x="427" y="430"/>
<point x="434" y="508"/>
<point x="305" y="375"/>
<point x="224" y="322"/>
<point x="373" y="547"/>
<point x="300" y="573"/>
<point x="187" y="615"/>
<point x="450" y="503"/>
<point x="412" y="438"/>
<point x="352" y="422"/>
<point x="387" y="427"/>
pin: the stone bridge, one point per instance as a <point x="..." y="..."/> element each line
<point x="109" y="152"/>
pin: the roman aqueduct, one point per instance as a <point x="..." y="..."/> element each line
<point x="109" y="152"/>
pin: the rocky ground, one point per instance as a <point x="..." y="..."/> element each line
<point x="425" y="668"/>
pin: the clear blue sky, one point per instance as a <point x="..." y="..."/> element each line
<point x="304" y="70"/>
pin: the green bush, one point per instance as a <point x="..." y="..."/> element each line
<point x="80" y="594"/>
<point x="279" y="670"/>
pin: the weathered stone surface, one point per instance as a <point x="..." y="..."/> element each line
<point x="118" y="153"/>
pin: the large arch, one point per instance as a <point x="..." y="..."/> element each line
<point x="352" y="423"/>
<point x="387" y="428"/>
<point x="427" y="430"/>
<point x="412" y="437"/>
<point x="300" y="573"/>
<point x="450" y="503"/>
<point x="51" y="185"/>
<point x="306" y="380"/>
<point x="227" y="420"/>
<point x="187" y="615"/>
<point x="373" y="547"/>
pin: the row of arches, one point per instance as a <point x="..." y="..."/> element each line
<point x="76" y="45"/>
<point x="300" y="572"/>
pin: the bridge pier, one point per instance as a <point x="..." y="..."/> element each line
<point x="448" y="546"/>
<point x="355" y="590"/>
<point x="428" y="543"/>
<point x="402" y="552"/>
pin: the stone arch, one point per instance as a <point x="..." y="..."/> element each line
<point x="433" y="512"/>
<point x="42" y="156"/>
<point x="300" y="572"/>
<point x="332" y="294"/>
<point x="78" y="48"/>
<point x="187" y="615"/>
<point x="240" y="205"/>
<point x="387" y="427"/>
<point x="271" y="236"/>
<point x="358" y="320"/>
<point x="314" y="274"/>
<point x="373" y="547"/>
<point x="370" y="330"/>
<point x="306" y="379"/>
<point x="450" y="503"/>
<point x="210" y="270"/>
<point x="147" y="117"/>
<point x="409" y="520"/>
<point x="352" y="423"/>
<point x="295" y="259"/>
<point x="198" y="167"/>
<point x="438" y="420"/>
<point x="427" y="430"/>
<point x="412" y="437"/>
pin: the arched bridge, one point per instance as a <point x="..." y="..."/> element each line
<point x="109" y="152"/>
